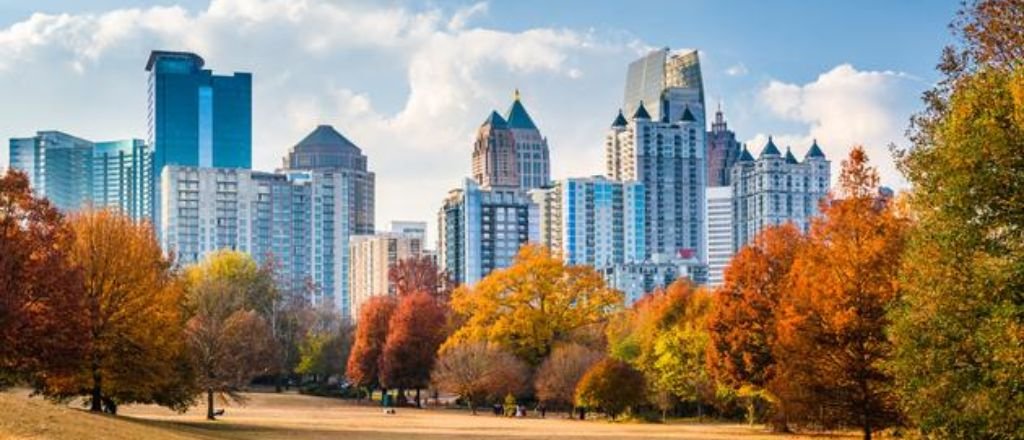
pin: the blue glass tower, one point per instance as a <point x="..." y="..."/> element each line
<point x="197" y="118"/>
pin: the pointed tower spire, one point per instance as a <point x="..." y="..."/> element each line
<point x="641" y="112"/>
<point x="620" y="120"/>
<point x="515" y="95"/>
<point x="517" y="116"/>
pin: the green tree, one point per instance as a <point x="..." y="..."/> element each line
<point x="959" y="329"/>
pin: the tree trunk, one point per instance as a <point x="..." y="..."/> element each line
<point x="418" y="398"/>
<point x="867" y="428"/>
<point x="209" y="404"/>
<point x="277" y="383"/>
<point x="97" y="390"/>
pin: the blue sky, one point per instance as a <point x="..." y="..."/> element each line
<point x="410" y="81"/>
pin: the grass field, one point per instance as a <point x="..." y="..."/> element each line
<point x="295" y="417"/>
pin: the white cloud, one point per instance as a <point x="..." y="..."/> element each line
<point x="841" y="108"/>
<point x="407" y="85"/>
<point x="739" y="69"/>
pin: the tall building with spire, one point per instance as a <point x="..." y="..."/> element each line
<point x="532" y="155"/>
<point x="776" y="189"/>
<point x="723" y="151"/>
<point x="495" y="163"/>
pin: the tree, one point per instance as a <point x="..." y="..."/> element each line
<point x="612" y="385"/>
<point x="419" y="274"/>
<point x="229" y="341"/>
<point x="558" y="375"/>
<point x="363" y="368"/>
<point x="958" y="328"/>
<point x="743" y="318"/>
<point x="478" y="370"/>
<point x="133" y="313"/>
<point x="533" y="304"/>
<point x="324" y="353"/>
<point x="42" y="331"/>
<point x="832" y="342"/>
<point x="415" y="332"/>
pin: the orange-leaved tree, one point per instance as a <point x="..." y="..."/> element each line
<point x="42" y="329"/>
<point x="832" y="342"/>
<point x="363" y="368"/>
<point x="415" y="332"/>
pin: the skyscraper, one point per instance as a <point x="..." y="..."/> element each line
<point x="667" y="157"/>
<point x="327" y="150"/>
<point x="592" y="220"/>
<point x="372" y="257"/>
<point x="719" y="241"/>
<point x="480" y="230"/>
<point x="533" y="157"/>
<point x="197" y="118"/>
<point x="74" y="173"/>
<point x="667" y="83"/>
<point x="495" y="163"/>
<point x="723" y="151"/>
<point x="776" y="189"/>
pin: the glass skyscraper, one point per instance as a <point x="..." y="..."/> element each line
<point x="121" y="176"/>
<point x="197" y="118"/>
<point x="667" y="83"/>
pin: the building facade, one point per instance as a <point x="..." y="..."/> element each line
<point x="592" y="220"/>
<point x="636" y="279"/>
<point x="74" y="173"/>
<point x="776" y="189"/>
<point x="533" y="159"/>
<point x="495" y="163"/>
<point x="327" y="150"/>
<point x="667" y="83"/>
<point x="301" y="219"/>
<point x="372" y="257"/>
<point x="667" y="157"/>
<point x="723" y="151"/>
<point x="481" y="229"/>
<point x="719" y="240"/>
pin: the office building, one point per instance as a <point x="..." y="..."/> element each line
<point x="481" y="229"/>
<point x="775" y="189"/>
<point x="413" y="229"/>
<point x="636" y="279"/>
<point x="719" y="240"/>
<point x="495" y="164"/>
<point x="121" y="177"/>
<point x="722" y="153"/>
<point x="301" y="219"/>
<point x="372" y="258"/>
<point x="327" y="150"/>
<point x="667" y="83"/>
<point x="592" y="220"/>
<point x="532" y="155"/>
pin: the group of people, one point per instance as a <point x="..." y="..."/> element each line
<point x="517" y="410"/>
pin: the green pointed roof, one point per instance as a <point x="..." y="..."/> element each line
<point x="688" y="115"/>
<point x="495" y="120"/>
<point x="517" y="116"/>
<point x="770" y="148"/>
<point x="620" y="121"/>
<point x="745" y="156"/>
<point x="790" y="158"/>
<point x="815" y="151"/>
<point x="641" y="112"/>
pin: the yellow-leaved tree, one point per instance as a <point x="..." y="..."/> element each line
<point x="533" y="304"/>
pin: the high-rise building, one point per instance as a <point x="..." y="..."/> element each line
<point x="667" y="157"/>
<point x="326" y="150"/>
<point x="592" y="220"/>
<point x="372" y="258"/>
<point x="719" y="225"/>
<point x="300" y="219"/>
<point x="413" y="229"/>
<point x="197" y="118"/>
<point x="495" y="164"/>
<point x="723" y="151"/>
<point x="59" y="167"/>
<point x="638" y="278"/>
<point x="481" y="229"/>
<point x="533" y="157"/>
<point x="667" y="83"/>
<point x="121" y="177"/>
<point x="74" y="173"/>
<point x="776" y="189"/>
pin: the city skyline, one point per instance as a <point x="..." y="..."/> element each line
<point x="424" y="109"/>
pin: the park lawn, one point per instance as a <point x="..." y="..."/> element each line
<point x="296" y="417"/>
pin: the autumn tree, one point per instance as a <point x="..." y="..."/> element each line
<point x="558" y="375"/>
<point x="323" y="353"/>
<point x="742" y="321"/>
<point x="958" y="328"/>
<point x="533" y="304"/>
<point x="42" y="329"/>
<point x="133" y="313"/>
<point x="478" y="370"/>
<point x="832" y="342"/>
<point x="611" y="385"/>
<point x="363" y="368"/>
<point x="419" y="274"/>
<point x="415" y="332"/>
<point x="229" y="340"/>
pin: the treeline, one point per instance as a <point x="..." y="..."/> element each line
<point x="91" y="307"/>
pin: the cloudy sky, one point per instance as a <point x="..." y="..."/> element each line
<point x="410" y="81"/>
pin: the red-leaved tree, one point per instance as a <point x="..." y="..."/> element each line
<point x="363" y="367"/>
<point x="415" y="332"/>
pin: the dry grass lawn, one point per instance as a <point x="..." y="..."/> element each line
<point x="295" y="417"/>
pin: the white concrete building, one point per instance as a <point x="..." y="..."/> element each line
<point x="719" y="240"/>
<point x="372" y="257"/>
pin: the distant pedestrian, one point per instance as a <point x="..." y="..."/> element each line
<point x="542" y="409"/>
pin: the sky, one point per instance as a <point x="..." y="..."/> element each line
<point x="409" y="82"/>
